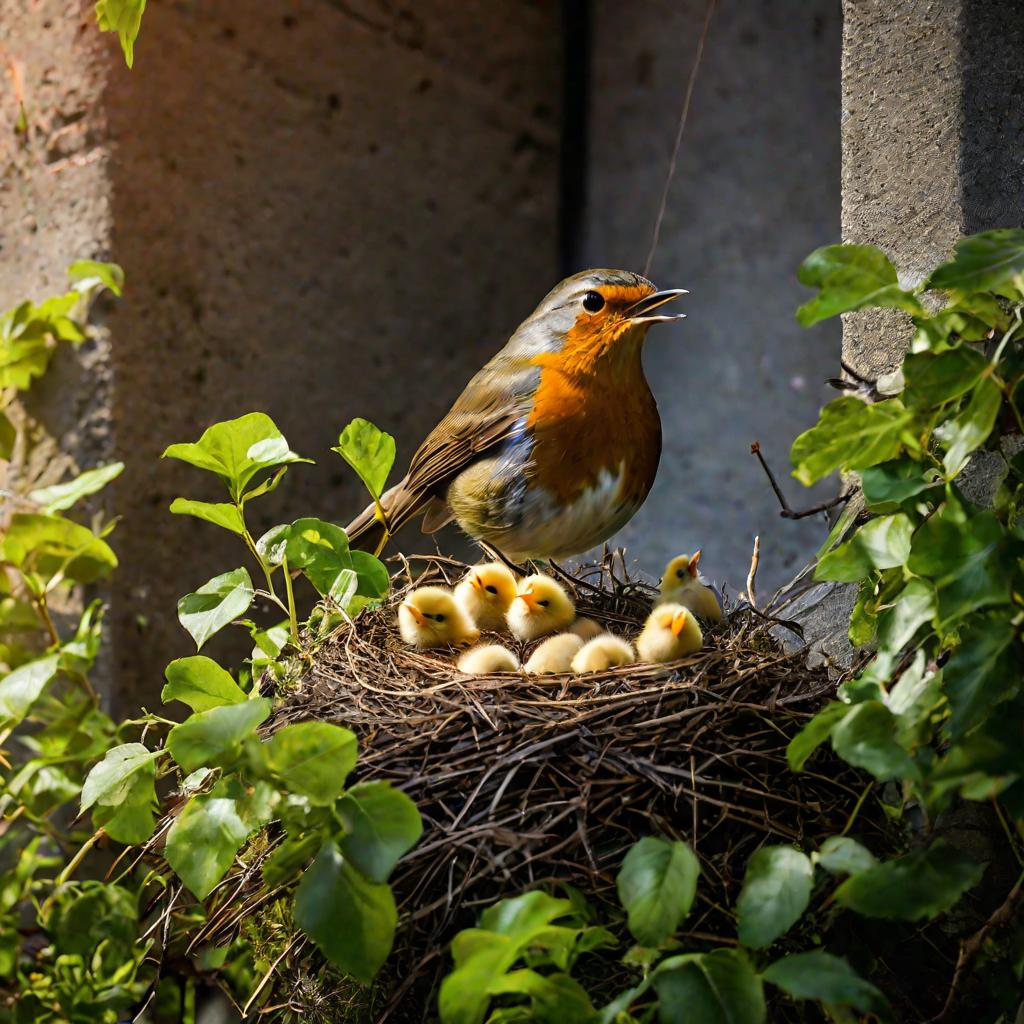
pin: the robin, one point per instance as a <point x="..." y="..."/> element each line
<point x="554" y="445"/>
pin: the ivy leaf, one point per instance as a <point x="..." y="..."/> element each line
<point x="982" y="263"/>
<point x="828" y="979"/>
<point x="962" y="550"/>
<point x="908" y="611"/>
<point x="20" y="689"/>
<point x="96" y="914"/>
<point x="207" y="737"/>
<point x="889" y="484"/>
<point x="775" y="892"/>
<point x="720" y="987"/>
<point x="237" y="450"/>
<point x="935" y="377"/>
<point x="200" y="683"/>
<point x="88" y="275"/>
<point x="921" y="884"/>
<point x="970" y="428"/>
<point x="133" y="819"/>
<point x="62" y="496"/>
<point x="51" y="544"/>
<point x="221" y="514"/>
<point x="983" y="671"/>
<point x="881" y="543"/>
<point x="852" y="435"/>
<point x="841" y="855"/>
<point x="813" y="734"/>
<point x="657" y="884"/>
<point x="369" y="451"/>
<point x="332" y="892"/>
<point x="381" y="824"/>
<point x="851" y="277"/>
<point x="125" y="18"/>
<point x="215" y="604"/>
<point x="312" y="759"/>
<point x="109" y="781"/>
<point x="868" y="738"/>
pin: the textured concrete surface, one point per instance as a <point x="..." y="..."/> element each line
<point x="756" y="189"/>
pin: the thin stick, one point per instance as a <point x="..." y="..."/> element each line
<point x="679" y="137"/>
<point x="787" y="512"/>
<point x="755" y="559"/>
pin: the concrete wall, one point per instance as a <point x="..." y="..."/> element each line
<point x="756" y="189"/>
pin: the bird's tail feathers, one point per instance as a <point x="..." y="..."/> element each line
<point x="400" y="505"/>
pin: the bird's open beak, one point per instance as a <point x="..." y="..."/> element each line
<point x="640" y="312"/>
<point x="678" y="622"/>
<point x="420" y="618"/>
<point x="477" y="582"/>
<point x="694" y="562"/>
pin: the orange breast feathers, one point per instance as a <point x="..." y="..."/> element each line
<point x="594" y="413"/>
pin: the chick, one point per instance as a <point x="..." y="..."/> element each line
<point x="681" y="585"/>
<point x="669" y="632"/>
<point x="586" y="629"/>
<point x="429" y="617"/>
<point x="485" y="593"/>
<point x="487" y="660"/>
<point x="604" y="651"/>
<point x="541" y="606"/>
<point x="554" y="655"/>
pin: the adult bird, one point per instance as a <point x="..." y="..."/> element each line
<point x="553" y="446"/>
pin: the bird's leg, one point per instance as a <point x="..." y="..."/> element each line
<point x="787" y="512"/>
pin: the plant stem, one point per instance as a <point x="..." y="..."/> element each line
<point x="1006" y="337"/>
<point x="289" y="591"/>
<point x="382" y="516"/>
<point x="44" y="614"/>
<point x="70" y="869"/>
<point x="856" y="809"/>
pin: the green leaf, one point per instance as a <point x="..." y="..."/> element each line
<point x="864" y="617"/>
<point x="919" y="885"/>
<point x="381" y="824"/>
<point x="657" y="884"/>
<point x="552" y="997"/>
<point x="868" y="738"/>
<point x="237" y="450"/>
<point x="320" y="549"/>
<point x="95" y="914"/>
<point x="125" y="18"/>
<point x="62" y="496"/>
<point x="200" y="683"/>
<point x="970" y="429"/>
<point x="889" y="484"/>
<point x="775" y="892"/>
<point x="932" y="378"/>
<point x="908" y="611"/>
<point x="963" y="551"/>
<point x="49" y="545"/>
<point x="841" y="855"/>
<point x="205" y="838"/>
<point x="828" y="979"/>
<point x="851" y="277"/>
<point x="8" y="436"/>
<point x="20" y="689"/>
<point x="351" y="920"/>
<point x="720" y="987"/>
<point x="88" y="275"/>
<point x="983" y="671"/>
<point x="373" y="579"/>
<point x="215" y="604"/>
<point x="221" y="514"/>
<point x="205" y="738"/>
<point x="813" y="734"/>
<point x="133" y="819"/>
<point x="852" y="435"/>
<point x="313" y="759"/>
<point x="109" y="782"/>
<point x="983" y="262"/>
<point x="369" y="451"/>
<point x="881" y="543"/>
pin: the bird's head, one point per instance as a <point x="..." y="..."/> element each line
<point x="680" y="569"/>
<point x="595" y="313"/>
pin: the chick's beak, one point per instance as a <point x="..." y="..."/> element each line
<point x="640" y="312"/>
<point x="420" y="618"/>
<point x="477" y="582"/>
<point x="678" y="623"/>
<point x="527" y="598"/>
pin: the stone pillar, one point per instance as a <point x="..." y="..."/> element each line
<point x="324" y="210"/>
<point x="755" y="190"/>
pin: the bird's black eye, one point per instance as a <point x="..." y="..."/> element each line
<point x="439" y="618"/>
<point x="543" y="604"/>
<point x="680" y="573"/>
<point x="593" y="301"/>
<point x="491" y="590"/>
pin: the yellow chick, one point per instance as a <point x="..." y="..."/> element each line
<point x="587" y="629"/>
<point x="681" y="585"/>
<point x="487" y="660"/>
<point x="485" y="593"/>
<point x="541" y="606"/>
<point x="554" y="655"/>
<point x="429" y="617"/>
<point x="670" y="632"/>
<point x="605" y="651"/>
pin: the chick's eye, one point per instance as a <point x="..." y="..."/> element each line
<point x="593" y="301"/>
<point x="680" y="573"/>
<point x="439" y="617"/>
<point x="543" y="604"/>
<point x="491" y="590"/>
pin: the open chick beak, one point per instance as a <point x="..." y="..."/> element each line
<point x="420" y="618"/>
<point x="678" y="623"/>
<point x="477" y="582"/>
<point x="640" y="312"/>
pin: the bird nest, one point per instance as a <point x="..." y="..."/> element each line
<point x="530" y="780"/>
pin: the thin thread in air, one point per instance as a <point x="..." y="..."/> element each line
<point x="679" y="137"/>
